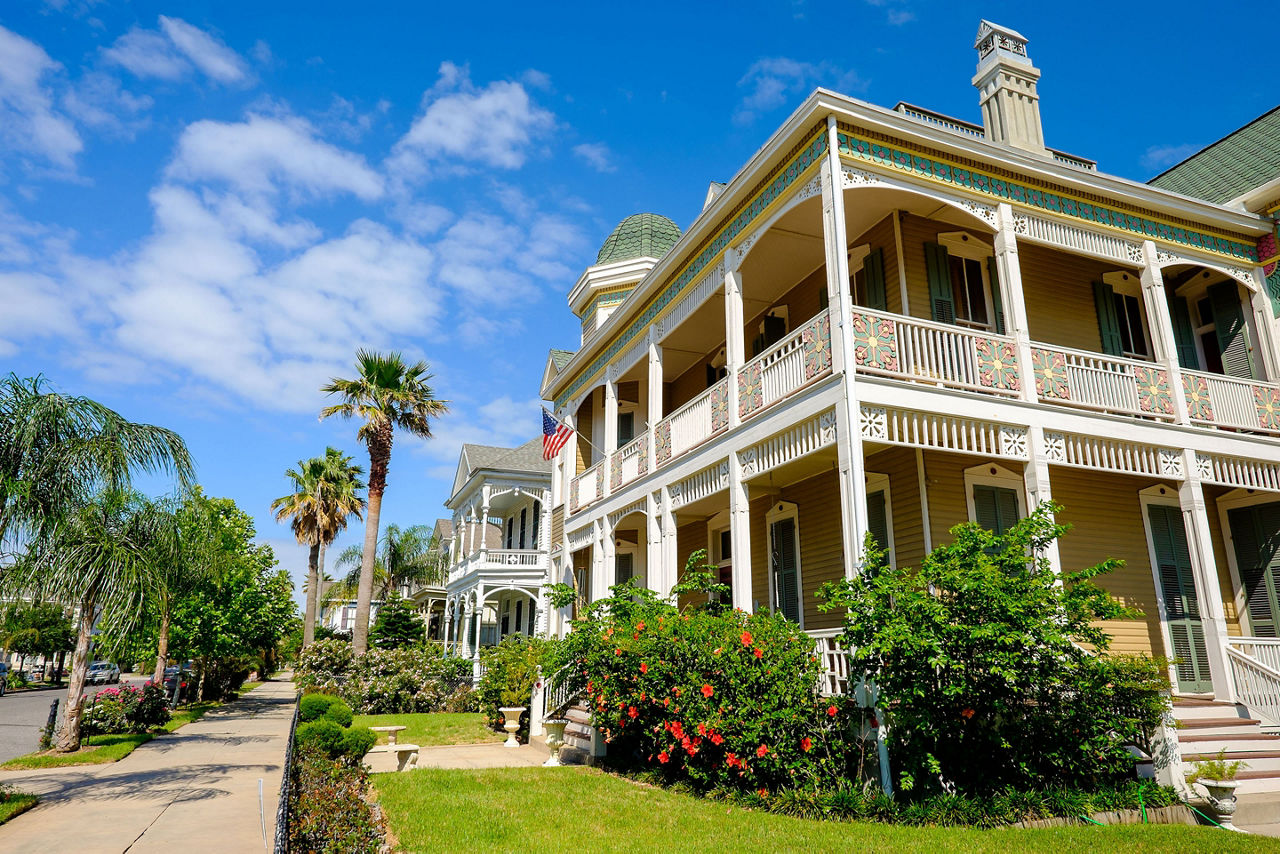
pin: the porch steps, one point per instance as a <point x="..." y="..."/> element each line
<point x="577" y="735"/>
<point x="1206" y="727"/>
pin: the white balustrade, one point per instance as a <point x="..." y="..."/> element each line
<point x="781" y="368"/>
<point x="1265" y="650"/>
<point x="587" y="487"/>
<point x="627" y="460"/>
<point x="935" y="353"/>
<point x="516" y="557"/>
<point x="689" y="426"/>
<point x="1106" y="383"/>
<point x="1232" y="402"/>
<point x="785" y="367"/>
<point x="1257" y="684"/>
<point x="833" y="661"/>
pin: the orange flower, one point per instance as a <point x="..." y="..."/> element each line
<point x="707" y="690"/>
<point x="640" y="626"/>
<point x="967" y="714"/>
<point x="746" y="638"/>
<point x="663" y="757"/>
<point x="717" y="739"/>
<point x="644" y="668"/>
<point x="633" y="711"/>
<point x="831" y="711"/>
<point x="764" y="793"/>
<point x="806" y="744"/>
<point x="761" y="751"/>
<point x="730" y="760"/>
<point x="758" y="652"/>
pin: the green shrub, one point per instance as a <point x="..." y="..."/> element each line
<point x="384" y="681"/>
<point x="330" y="812"/>
<point x="980" y="653"/>
<point x="511" y="668"/>
<point x="313" y="706"/>
<point x="463" y="699"/>
<point x="356" y="742"/>
<point x="323" y="736"/>
<point x="339" y="712"/>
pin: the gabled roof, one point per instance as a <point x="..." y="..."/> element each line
<point x="525" y="458"/>
<point x="561" y="358"/>
<point x="1239" y="162"/>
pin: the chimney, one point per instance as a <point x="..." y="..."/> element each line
<point x="1006" y="83"/>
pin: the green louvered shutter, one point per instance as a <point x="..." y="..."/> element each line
<point x="624" y="567"/>
<point x="873" y="272"/>
<point x="878" y="518"/>
<point x="1233" y="332"/>
<point x="786" y="586"/>
<point x="995" y="507"/>
<point x="997" y="299"/>
<point x="1108" y="323"/>
<point x="1255" y="533"/>
<point x="1184" y="333"/>
<point x="1181" y="607"/>
<point x="940" y="296"/>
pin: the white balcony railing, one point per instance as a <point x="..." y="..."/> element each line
<point x="531" y="558"/>
<point x="1225" y="401"/>
<point x="935" y="353"/>
<point x="629" y="462"/>
<point x="787" y="366"/>
<point x="1104" y="383"/>
<point x="587" y="488"/>
<point x="692" y="424"/>
<point x="1255" y="675"/>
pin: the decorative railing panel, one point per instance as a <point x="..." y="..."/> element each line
<point x="1105" y="383"/>
<point x="1230" y="402"/>
<point x="629" y="462"/>
<point x="516" y="557"/>
<point x="1257" y="685"/>
<point x="692" y="424"/>
<point x="833" y="662"/>
<point x="587" y="488"/>
<point x="786" y="367"/>
<point x="934" y="353"/>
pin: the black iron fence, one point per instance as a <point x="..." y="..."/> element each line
<point x="286" y="789"/>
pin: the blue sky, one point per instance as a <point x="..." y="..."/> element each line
<point x="207" y="207"/>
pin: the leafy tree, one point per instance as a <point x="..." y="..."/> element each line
<point x="36" y="629"/>
<point x="407" y="557"/>
<point x="980" y="653"/>
<point x="325" y="494"/>
<point x="386" y="394"/>
<point x="396" y="625"/>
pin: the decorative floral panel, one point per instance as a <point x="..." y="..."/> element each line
<point x="997" y="364"/>
<point x="1196" y="391"/>
<point x="750" y="390"/>
<point x="1269" y="255"/>
<point x="875" y="342"/>
<point x="615" y="469"/>
<point x="662" y="442"/>
<point x="573" y="494"/>
<point x="1154" y="395"/>
<point x="816" y="340"/>
<point x="1049" y="368"/>
<point x="642" y="462"/>
<point x="719" y="406"/>
<point x="599" y="481"/>
<point x="1268" y="402"/>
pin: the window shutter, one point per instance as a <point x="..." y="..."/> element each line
<point x="940" y="297"/>
<point x="873" y="270"/>
<point x="1108" y="322"/>
<point x="878" y="519"/>
<point x="624" y="567"/>
<point x="1233" y="333"/>
<point x="785" y="580"/>
<point x="995" y="507"/>
<point x="510" y="534"/>
<point x="775" y="329"/>
<point x="1182" y="609"/>
<point x="1254" y="532"/>
<point x="997" y="298"/>
<point x="1184" y="334"/>
<point x="537" y="521"/>
<point x="524" y="525"/>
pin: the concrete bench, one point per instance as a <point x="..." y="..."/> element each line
<point x="392" y="732"/>
<point x="406" y="756"/>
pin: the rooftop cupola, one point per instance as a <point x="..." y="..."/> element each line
<point x="1006" y="83"/>
<point x="628" y="253"/>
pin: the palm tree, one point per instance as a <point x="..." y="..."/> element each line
<point x="100" y="558"/>
<point x="406" y="557"/>
<point x="325" y="495"/>
<point x="386" y="394"/>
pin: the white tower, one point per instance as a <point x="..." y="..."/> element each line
<point x="1006" y="83"/>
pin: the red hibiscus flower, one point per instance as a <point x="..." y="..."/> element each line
<point x="702" y="729"/>
<point x="831" y="711"/>
<point x="707" y="690"/>
<point x="764" y="793"/>
<point x="761" y="751"/>
<point x="617" y="652"/>
<point x="633" y="712"/>
<point x="730" y="760"/>
<point x="663" y="757"/>
<point x="644" y="668"/>
<point x="758" y="652"/>
<point x="746" y="638"/>
<point x="666" y="701"/>
<point x="717" y="739"/>
<point x="967" y="714"/>
<point x="640" y="626"/>
<point x="806" y="744"/>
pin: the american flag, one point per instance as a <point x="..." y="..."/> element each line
<point x="554" y="435"/>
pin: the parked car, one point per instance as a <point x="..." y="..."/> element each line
<point x="178" y="678"/>
<point x="102" y="672"/>
<point x="4" y="677"/>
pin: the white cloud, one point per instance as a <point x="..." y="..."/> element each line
<point x="494" y="126"/>
<point x="1161" y="157"/>
<point x="174" y="51"/>
<point x="596" y="155"/>
<point x="773" y="82"/>
<point x="896" y="11"/>
<point x="33" y="304"/>
<point x="29" y="123"/>
<point x="261" y="153"/>
<point x="502" y="422"/>
<point x="98" y="101"/>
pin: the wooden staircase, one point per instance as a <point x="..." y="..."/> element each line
<point x="1206" y="727"/>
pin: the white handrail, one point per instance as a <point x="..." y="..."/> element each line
<point x="935" y="353"/>
<point x="1257" y="685"/>
<point x="1232" y="402"/>
<point x="782" y="369"/>
<point x="588" y="487"/>
<point x="625" y="463"/>
<point x="1111" y="383"/>
<point x="688" y="426"/>
<point x="1265" y="650"/>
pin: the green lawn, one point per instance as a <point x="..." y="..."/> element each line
<point x="98" y="749"/>
<point x="14" y="803"/>
<point x="556" y="809"/>
<point x="434" y="728"/>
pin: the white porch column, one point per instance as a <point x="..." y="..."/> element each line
<point x="609" y="575"/>
<point x="853" y="488"/>
<point x="740" y="535"/>
<point x="1204" y="566"/>
<point x="655" y="394"/>
<point x="595" y="588"/>
<point x="735" y="346"/>
<point x="654" y="571"/>
<point x="446" y="624"/>
<point x="1035" y="477"/>
<point x="479" y="618"/>
<point x="670" y="553"/>
<point x="610" y="415"/>
<point x="1166" y="347"/>
<point x="484" y="522"/>
<point x="1012" y="297"/>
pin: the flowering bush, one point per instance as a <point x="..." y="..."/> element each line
<point x="384" y="681"/>
<point x="511" y="668"/>
<point x="126" y="709"/>
<point x="711" y="696"/>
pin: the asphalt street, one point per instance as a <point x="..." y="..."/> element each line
<point x="23" y="713"/>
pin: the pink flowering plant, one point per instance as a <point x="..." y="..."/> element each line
<point x="709" y="695"/>
<point x="126" y="709"/>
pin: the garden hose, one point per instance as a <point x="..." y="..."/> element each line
<point x="1091" y="821"/>
<point x="1142" y="807"/>
<point x="1203" y="816"/>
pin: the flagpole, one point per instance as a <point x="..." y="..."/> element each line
<point x="578" y="434"/>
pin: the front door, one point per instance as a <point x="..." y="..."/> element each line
<point x="1181" y="607"/>
<point x="1255" y="532"/>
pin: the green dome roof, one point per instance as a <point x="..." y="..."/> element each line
<point x="642" y="235"/>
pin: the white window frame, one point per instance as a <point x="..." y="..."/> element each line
<point x="1234" y="500"/>
<point x="779" y="511"/>
<point x="994" y="474"/>
<point x="964" y="244"/>
<point x="716" y="525"/>
<point x="857" y="260"/>
<point x="877" y="482"/>
<point x="1164" y="496"/>
<point x="1129" y="285"/>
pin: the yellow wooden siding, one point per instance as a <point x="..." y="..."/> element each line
<point x="916" y="232"/>
<point x="557" y="526"/>
<point x="944" y="484"/>
<point x="1058" y="290"/>
<point x="582" y="440"/>
<point x="1220" y="554"/>
<point x="880" y="236"/>
<point x="689" y="539"/>
<point x="904" y="496"/>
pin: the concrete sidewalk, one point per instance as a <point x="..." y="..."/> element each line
<point x="192" y="791"/>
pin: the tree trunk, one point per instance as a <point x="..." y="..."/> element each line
<point x="379" y="457"/>
<point x="313" y="583"/>
<point x="162" y="647"/>
<point x="69" y="735"/>
<point x="57" y="674"/>
<point x="319" y="583"/>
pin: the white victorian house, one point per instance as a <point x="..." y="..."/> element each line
<point x="498" y="554"/>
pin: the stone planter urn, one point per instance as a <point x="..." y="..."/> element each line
<point x="511" y="723"/>
<point x="555" y="740"/>
<point x="1222" y="800"/>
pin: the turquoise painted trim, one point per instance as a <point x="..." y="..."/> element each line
<point x="604" y="300"/>
<point x="786" y="178"/>
<point x="884" y="155"/>
<point x="1269" y="247"/>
